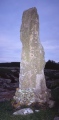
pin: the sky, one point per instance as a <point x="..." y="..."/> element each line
<point x="10" y="22"/>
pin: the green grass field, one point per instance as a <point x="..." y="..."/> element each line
<point x="6" y="113"/>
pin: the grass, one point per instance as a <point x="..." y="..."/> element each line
<point x="6" y="113"/>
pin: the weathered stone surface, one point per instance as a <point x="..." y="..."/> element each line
<point x="32" y="85"/>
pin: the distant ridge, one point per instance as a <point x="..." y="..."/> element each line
<point x="11" y="64"/>
<point x="50" y="64"/>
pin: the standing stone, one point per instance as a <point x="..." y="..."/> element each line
<point x="32" y="85"/>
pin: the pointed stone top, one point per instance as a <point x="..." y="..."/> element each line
<point x="30" y="11"/>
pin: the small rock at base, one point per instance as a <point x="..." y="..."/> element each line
<point x="51" y="104"/>
<point x="56" y="118"/>
<point x="37" y="110"/>
<point x="24" y="111"/>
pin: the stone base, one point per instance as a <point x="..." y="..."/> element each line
<point x="30" y="96"/>
<point x="25" y="97"/>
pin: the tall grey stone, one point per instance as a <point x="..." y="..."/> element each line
<point x="32" y="85"/>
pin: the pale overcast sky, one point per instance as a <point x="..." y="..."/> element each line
<point x="10" y="22"/>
